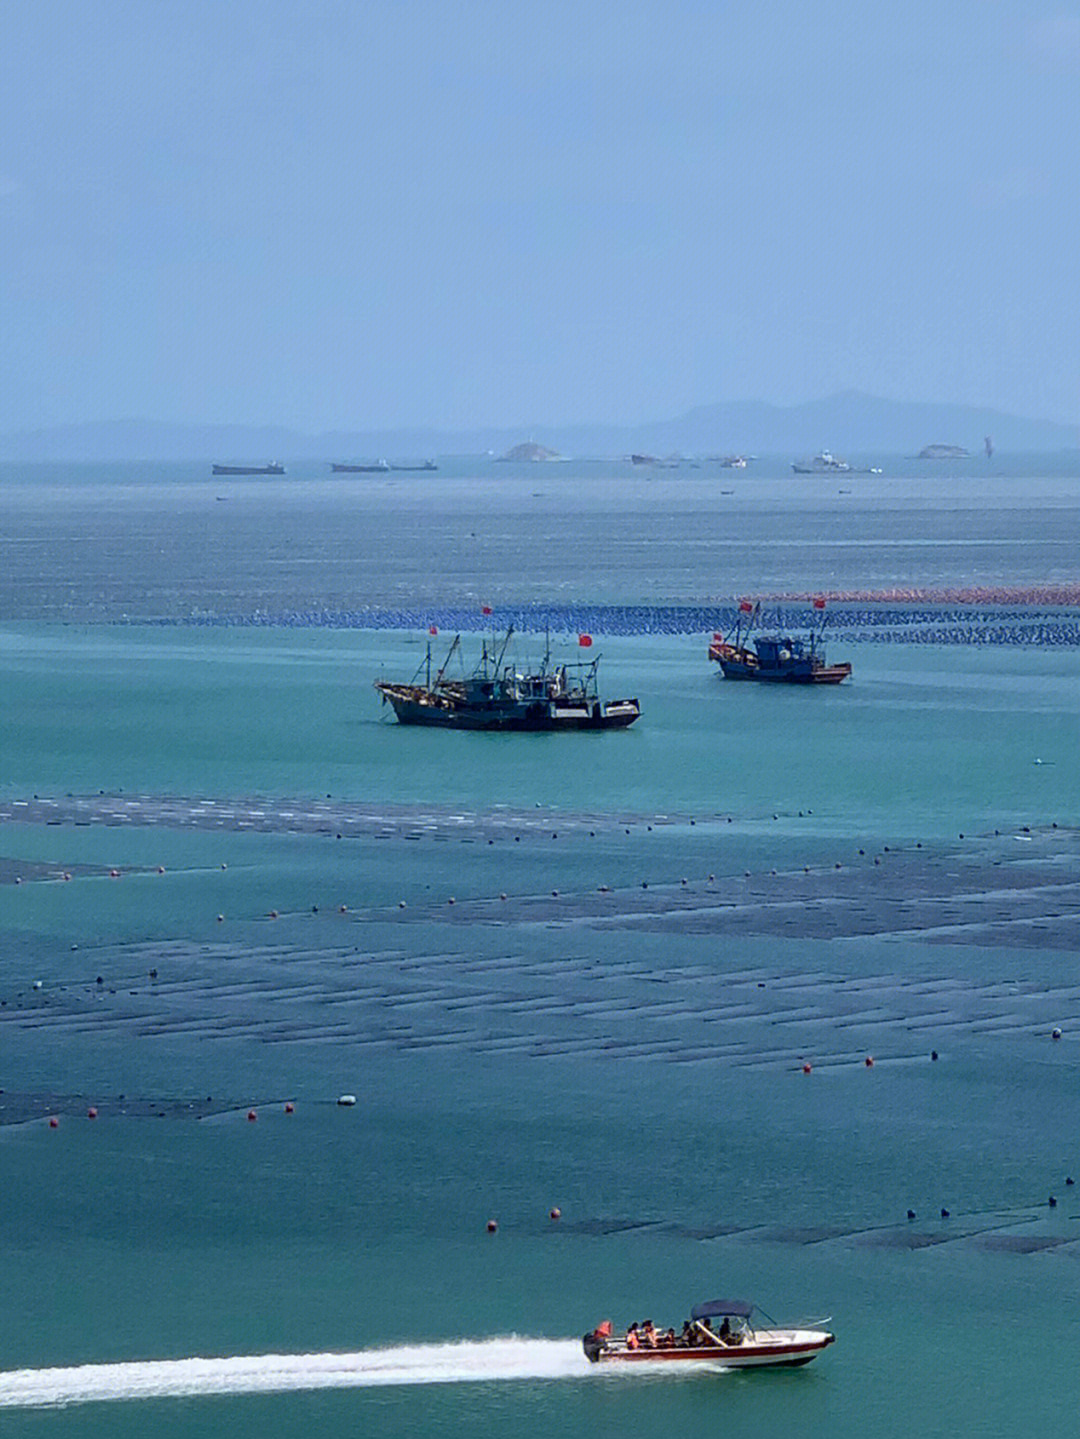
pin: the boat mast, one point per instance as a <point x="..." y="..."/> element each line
<point x="446" y="661"/>
<point x="506" y="641"/>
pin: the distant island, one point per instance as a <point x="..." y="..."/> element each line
<point x="530" y="451"/>
<point x="943" y="452"/>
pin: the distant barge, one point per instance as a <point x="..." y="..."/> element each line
<point x="274" y="469"/>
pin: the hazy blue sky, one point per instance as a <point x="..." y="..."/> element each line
<point x="331" y="214"/>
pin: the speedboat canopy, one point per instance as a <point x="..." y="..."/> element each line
<point x="717" y="1308"/>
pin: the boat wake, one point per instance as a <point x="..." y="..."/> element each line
<point x="459" y="1363"/>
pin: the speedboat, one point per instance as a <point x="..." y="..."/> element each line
<point x="720" y="1334"/>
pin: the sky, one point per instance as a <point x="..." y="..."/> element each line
<point x="387" y="213"/>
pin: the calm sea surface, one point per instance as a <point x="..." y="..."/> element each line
<point x="651" y="933"/>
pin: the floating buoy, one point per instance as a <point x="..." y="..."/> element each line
<point x="869" y="1061"/>
<point x="54" y="1123"/>
<point x="289" y="1107"/>
<point x="91" y="1113"/>
<point x="491" y="1226"/>
<point x="346" y="1101"/>
<point x="808" y="1068"/>
<point x="555" y="1214"/>
<point x="252" y="1116"/>
<point x="1055" y="1033"/>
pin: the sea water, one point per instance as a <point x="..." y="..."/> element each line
<point x="585" y="972"/>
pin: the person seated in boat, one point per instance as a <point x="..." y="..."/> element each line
<point x="648" y="1334"/>
<point x="688" y="1338"/>
<point x="632" y="1340"/>
<point x="668" y="1340"/>
<point x="725" y="1331"/>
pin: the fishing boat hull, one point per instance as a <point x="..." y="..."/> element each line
<point x="738" y="663"/>
<point x="413" y="705"/>
<point x="772" y="1349"/>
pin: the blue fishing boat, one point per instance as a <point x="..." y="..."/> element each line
<point x="775" y="658"/>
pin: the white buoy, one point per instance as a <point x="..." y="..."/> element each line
<point x="346" y="1100"/>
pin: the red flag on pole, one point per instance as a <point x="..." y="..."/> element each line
<point x="746" y="606"/>
<point x="584" y="641"/>
<point x="819" y="602"/>
<point x="433" y="629"/>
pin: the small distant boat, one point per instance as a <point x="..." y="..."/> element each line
<point x="426" y="466"/>
<point x="734" y="1342"/>
<point x="497" y="696"/>
<point x="775" y="659"/>
<point x="274" y="469"/>
<point x="377" y="467"/>
<point x="733" y="462"/>
<point x="825" y="463"/>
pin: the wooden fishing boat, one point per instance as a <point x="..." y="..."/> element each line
<point x="775" y="658"/>
<point x="497" y="696"/>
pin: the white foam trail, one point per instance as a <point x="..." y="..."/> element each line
<point x="459" y="1363"/>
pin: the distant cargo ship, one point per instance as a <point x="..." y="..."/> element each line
<point x="427" y="466"/>
<point x="249" y="469"/>
<point x="380" y="467"/>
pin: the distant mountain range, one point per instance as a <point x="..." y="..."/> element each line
<point x="848" y="423"/>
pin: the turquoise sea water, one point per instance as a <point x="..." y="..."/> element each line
<point x="885" y="870"/>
